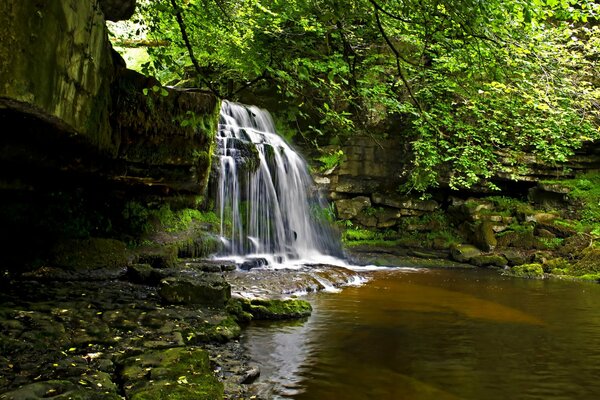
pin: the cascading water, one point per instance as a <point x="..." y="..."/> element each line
<point x="266" y="197"/>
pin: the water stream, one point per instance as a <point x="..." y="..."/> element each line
<point x="266" y="198"/>
<point x="437" y="334"/>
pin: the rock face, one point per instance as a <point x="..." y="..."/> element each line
<point x="56" y="64"/>
<point x="79" y="111"/>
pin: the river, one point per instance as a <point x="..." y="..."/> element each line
<point x="436" y="334"/>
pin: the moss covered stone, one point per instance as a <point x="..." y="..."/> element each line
<point x="588" y="264"/>
<point x="207" y="289"/>
<point x="484" y="237"/>
<point x="92" y="253"/>
<point x="527" y="271"/>
<point x="277" y="309"/>
<point x="464" y="252"/>
<point x="60" y="390"/>
<point x="489" y="260"/>
<point x="176" y="373"/>
<point x="224" y="331"/>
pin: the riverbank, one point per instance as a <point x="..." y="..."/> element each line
<point x="140" y="332"/>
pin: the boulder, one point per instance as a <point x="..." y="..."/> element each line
<point x="484" y="237"/>
<point x="464" y="252"/>
<point x="144" y="274"/>
<point x="489" y="260"/>
<point x="526" y="271"/>
<point x="207" y="289"/>
<point x="349" y="208"/>
<point x="253" y="263"/>
<point x="159" y="256"/>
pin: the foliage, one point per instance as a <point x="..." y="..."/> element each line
<point x="472" y="86"/>
<point x="330" y="160"/>
<point x="143" y="219"/>
<point x="527" y="271"/>
<point x="585" y="190"/>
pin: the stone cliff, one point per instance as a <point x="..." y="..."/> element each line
<point x="85" y="143"/>
<point x="68" y="105"/>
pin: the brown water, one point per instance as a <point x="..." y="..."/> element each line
<point x="437" y="334"/>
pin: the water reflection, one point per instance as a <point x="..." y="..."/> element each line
<point x="438" y="335"/>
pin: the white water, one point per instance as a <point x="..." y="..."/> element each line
<point x="267" y="202"/>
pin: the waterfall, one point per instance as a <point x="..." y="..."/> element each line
<point x="267" y="201"/>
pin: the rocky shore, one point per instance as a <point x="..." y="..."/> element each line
<point x="141" y="332"/>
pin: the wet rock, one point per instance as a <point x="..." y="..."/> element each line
<point x="274" y="309"/>
<point x="464" y="252"/>
<point x="253" y="263"/>
<point x="488" y="260"/>
<point x="207" y="289"/>
<point x="144" y="274"/>
<point x="223" y="331"/>
<point x="176" y="373"/>
<point x="59" y="390"/>
<point x="250" y="375"/>
<point x="526" y="271"/>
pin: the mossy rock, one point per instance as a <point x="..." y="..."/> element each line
<point x="527" y="271"/>
<point x="159" y="256"/>
<point x="489" y="260"/>
<point x="557" y="266"/>
<point x="90" y="254"/>
<point x="277" y="309"/>
<point x="207" y="289"/>
<point x="224" y="331"/>
<point x="574" y="245"/>
<point x="59" y="390"/>
<point x="588" y="264"/>
<point x="484" y="237"/>
<point x="144" y="274"/>
<point x="464" y="252"/>
<point x="176" y="373"/>
<point x="514" y="257"/>
<point x="523" y="238"/>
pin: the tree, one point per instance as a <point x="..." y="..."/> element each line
<point x="471" y="85"/>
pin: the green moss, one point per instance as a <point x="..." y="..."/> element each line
<point x="588" y="264"/>
<point x="585" y="191"/>
<point x="224" y="331"/>
<point x="551" y="243"/>
<point x="557" y="266"/>
<point x="527" y="271"/>
<point x="176" y="373"/>
<point x="276" y="309"/>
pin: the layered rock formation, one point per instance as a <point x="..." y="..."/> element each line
<point x="68" y="105"/>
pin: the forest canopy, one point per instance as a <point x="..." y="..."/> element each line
<point x="472" y="86"/>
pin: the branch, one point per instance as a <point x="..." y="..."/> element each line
<point x="403" y="77"/>
<point x="260" y="77"/>
<point x="188" y="45"/>
<point x="131" y="43"/>
<point x="389" y="14"/>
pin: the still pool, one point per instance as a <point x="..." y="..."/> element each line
<point x="437" y="334"/>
